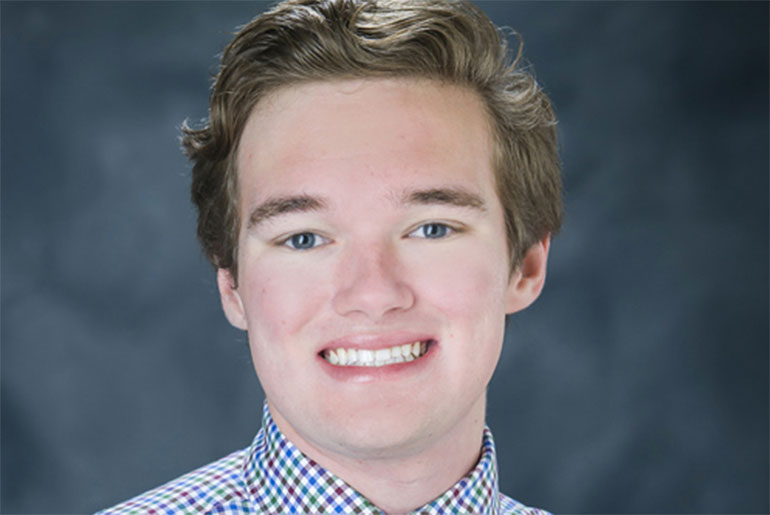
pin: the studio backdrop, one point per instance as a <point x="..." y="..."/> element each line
<point x="637" y="383"/>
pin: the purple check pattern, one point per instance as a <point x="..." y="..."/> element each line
<point x="273" y="476"/>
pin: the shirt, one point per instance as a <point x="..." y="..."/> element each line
<point x="273" y="476"/>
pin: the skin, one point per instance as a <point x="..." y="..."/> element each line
<point x="380" y="268"/>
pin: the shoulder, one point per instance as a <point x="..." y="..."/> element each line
<point x="509" y="506"/>
<point x="214" y="488"/>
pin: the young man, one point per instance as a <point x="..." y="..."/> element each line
<point x="376" y="186"/>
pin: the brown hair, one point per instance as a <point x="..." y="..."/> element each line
<point x="314" y="40"/>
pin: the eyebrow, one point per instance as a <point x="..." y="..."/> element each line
<point x="451" y="196"/>
<point x="277" y="206"/>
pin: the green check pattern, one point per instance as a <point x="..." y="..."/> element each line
<point x="273" y="476"/>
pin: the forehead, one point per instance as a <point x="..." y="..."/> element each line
<point x="408" y="130"/>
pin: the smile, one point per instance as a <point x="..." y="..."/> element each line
<point x="376" y="357"/>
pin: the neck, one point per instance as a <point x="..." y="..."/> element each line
<point x="402" y="484"/>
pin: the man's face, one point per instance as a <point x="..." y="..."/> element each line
<point x="370" y="223"/>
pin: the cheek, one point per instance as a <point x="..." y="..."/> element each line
<point x="469" y="290"/>
<point x="468" y="286"/>
<point x="279" y="301"/>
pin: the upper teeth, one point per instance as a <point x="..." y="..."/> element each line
<point x="375" y="358"/>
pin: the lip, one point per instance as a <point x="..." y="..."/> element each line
<point x="392" y="372"/>
<point x="375" y="341"/>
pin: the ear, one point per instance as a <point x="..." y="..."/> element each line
<point x="231" y="299"/>
<point x="528" y="279"/>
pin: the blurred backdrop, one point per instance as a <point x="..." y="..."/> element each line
<point x="638" y="383"/>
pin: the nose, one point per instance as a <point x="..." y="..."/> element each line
<point x="372" y="282"/>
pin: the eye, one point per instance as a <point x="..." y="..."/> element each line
<point x="304" y="241"/>
<point x="432" y="231"/>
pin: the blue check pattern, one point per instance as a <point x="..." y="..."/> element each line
<point x="273" y="476"/>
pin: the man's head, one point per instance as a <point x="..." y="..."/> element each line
<point x="311" y="40"/>
<point x="375" y="171"/>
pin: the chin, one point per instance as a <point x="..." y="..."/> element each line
<point x="382" y="441"/>
<point x="379" y="432"/>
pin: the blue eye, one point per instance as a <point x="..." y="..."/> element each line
<point x="432" y="231"/>
<point x="303" y="241"/>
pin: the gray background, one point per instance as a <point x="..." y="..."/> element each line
<point x="637" y="383"/>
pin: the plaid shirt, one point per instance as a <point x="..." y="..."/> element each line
<point x="273" y="476"/>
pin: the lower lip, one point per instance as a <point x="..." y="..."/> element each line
<point x="395" y="371"/>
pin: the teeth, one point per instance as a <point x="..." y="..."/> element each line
<point x="376" y="358"/>
<point x="365" y="358"/>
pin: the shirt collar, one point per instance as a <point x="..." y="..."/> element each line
<point x="280" y="478"/>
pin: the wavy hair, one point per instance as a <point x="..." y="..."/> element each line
<point x="451" y="41"/>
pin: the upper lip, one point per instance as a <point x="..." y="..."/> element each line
<point x="375" y="341"/>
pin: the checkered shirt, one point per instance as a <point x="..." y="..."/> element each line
<point x="273" y="476"/>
